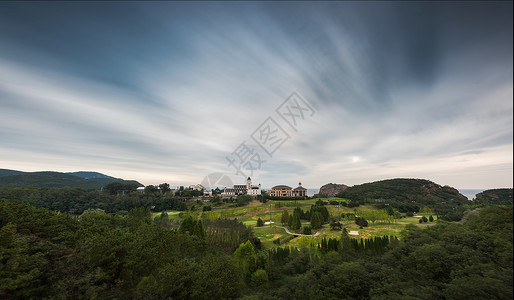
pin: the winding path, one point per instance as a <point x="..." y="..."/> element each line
<point x="299" y="234"/>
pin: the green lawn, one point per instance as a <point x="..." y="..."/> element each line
<point x="251" y="213"/>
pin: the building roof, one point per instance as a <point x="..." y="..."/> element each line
<point x="300" y="188"/>
<point x="282" y="187"/>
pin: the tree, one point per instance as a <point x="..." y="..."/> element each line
<point x="361" y="221"/>
<point x="296" y="223"/>
<point x="162" y="220"/>
<point x="307" y="230"/>
<point x="321" y="209"/>
<point x="164" y="187"/>
<point x="150" y="189"/>
<point x="198" y="230"/>
<point x="260" y="223"/>
<point x="187" y="225"/>
<point x="259" y="278"/>
<point x="243" y="200"/>
<point x="245" y="255"/>
<point x="115" y="188"/>
<point x="431" y="219"/>
<point x="335" y="225"/>
<point x="316" y="220"/>
<point x="285" y="218"/>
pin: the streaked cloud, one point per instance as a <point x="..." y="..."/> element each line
<point x="164" y="91"/>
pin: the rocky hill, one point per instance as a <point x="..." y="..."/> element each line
<point x="408" y="195"/>
<point x="332" y="189"/>
<point x="495" y="196"/>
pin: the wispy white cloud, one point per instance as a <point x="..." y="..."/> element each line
<point x="168" y="98"/>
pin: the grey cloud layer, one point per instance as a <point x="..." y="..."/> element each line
<point x="170" y="89"/>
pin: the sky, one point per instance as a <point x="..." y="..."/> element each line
<point x="317" y="92"/>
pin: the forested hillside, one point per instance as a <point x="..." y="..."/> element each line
<point x="495" y="196"/>
<point x="47" y="254"/>
<point x="84" y="180"/>
<point x="410" y="195"/>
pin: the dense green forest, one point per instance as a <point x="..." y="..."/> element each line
<point x="76" y="200"/>
<point x="47" y="254"/>
<point x="410" y="195"/>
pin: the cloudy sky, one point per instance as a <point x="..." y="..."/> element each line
<point x="171" y="91"/>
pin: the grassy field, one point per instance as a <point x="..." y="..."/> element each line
<point x="251" y="213"/>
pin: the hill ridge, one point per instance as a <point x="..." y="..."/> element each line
<point x="53" y="179"/>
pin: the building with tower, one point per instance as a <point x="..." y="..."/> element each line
<point x="285" y="191"/>
<point x="243" y="189"/>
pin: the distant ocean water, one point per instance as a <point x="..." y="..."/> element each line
<point x="470" y="193"/>
<point x="311" y="192"/>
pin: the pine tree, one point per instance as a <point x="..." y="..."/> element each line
<point x="285" y="218"/>
<point x="198" y="230"/>
<point x="316" y="220"/>
<point x="260" y="223"/>
<point x="187" y="225"/>
<point x="296" y="222"/>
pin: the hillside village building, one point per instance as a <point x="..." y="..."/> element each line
<point x="242" y="189"/>
<point x="287" y="191"/>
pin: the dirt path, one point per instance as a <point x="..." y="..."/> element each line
<point x="299" y="234"/>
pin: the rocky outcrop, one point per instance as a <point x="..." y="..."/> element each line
<point x="332" y="189"/>
<point x="495" y="196"/>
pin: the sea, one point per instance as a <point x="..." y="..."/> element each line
<point x="311" y="192"/>
<point x="470" y="193"/>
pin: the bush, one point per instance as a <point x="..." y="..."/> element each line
<point x="243" y="200"/>
<point x="361" y="222"/>
<point x="335" y="225"/>
<point x="307" y="230"/>
<point x="259" y="278"/>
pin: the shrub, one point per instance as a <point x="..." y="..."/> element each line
<point x="361" y="222"/>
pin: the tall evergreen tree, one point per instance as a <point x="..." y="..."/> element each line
<point x="285" y="218"/>
<point x="316" y="220"/>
